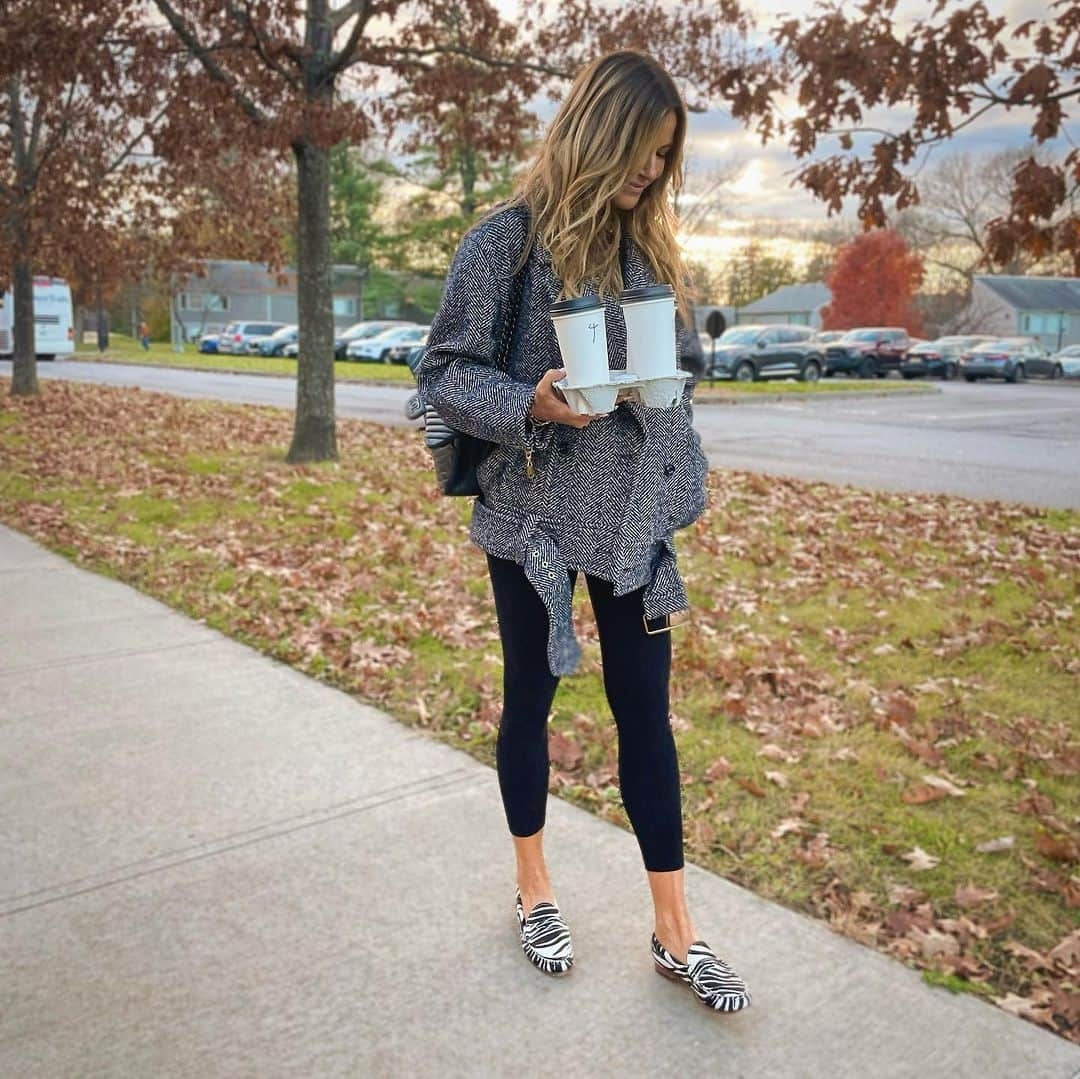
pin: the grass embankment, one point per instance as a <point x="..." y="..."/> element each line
<point x="875" y="705"/>
<point x="705" y="389"/>
<point x="126" y="350"/>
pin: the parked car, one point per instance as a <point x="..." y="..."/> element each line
<point x="400" y="353"/>
<point x="359" y="331"/>
<point x="1069" y="360"/>
<point x="825" y="337"/>
<point x="748" y="352"/>
<point x="274" y="344"/>
<point x="940" y="358"/>
<point x="379" y="348"/>
<point x="869" y="352"/>
<point x="208" y="342"/>
<point x="1010" y="358"/>
<point x="235" y="336"/>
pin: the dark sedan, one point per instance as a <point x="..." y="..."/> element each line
<point x="274" y="345"/>
<point x="869" y="352"/>
<point x="746" y="353"/>
<point x="1010" y="358"/>
<point x="940" y="358"/>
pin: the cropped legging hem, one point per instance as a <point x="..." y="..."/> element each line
<point x="637" y="669"/>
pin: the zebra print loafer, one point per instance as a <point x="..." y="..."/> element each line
<point x="545" y="938"/>
<point x="712" y="980"/>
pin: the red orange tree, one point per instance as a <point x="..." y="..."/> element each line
<point x="873" y="283"/>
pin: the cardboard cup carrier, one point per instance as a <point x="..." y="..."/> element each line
<point x="652" y="374"/>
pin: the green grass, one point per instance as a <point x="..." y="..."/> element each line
<point x="816" y="609"/>
<point x="124" y="349"/>
<point x="161" y="354"/>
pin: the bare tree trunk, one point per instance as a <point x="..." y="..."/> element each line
<point x="314" y="433"/>
<point x="467" y="170"/>
<point x="102" y="318"/>
<point x="24" y="380"/>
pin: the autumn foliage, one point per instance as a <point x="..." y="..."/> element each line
<point x="873" y="283"/>
<point x="927" y="79"/>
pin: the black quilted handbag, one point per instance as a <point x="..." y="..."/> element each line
<point x="456" y="454"/>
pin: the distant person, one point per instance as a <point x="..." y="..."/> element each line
<point x="564" y="493"/>
<point x="144" y="335"/>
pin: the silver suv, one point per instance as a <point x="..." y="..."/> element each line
<point x="234" y="338"/>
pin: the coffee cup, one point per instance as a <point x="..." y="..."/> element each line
<point x="650" y="330"/>
<point x="582" y="332"/>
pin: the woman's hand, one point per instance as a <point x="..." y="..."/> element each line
<point x="549" y="404"/>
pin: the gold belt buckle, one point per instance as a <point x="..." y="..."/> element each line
<point x="669" y="622"/>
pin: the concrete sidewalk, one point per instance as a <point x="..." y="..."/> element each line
<point x="211" y="865"/>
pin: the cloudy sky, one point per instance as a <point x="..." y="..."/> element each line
<point x="761" y="201"/>
<point x="763" y="190"/>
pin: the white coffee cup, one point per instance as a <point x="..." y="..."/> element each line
<point x="650" y="330"/>
<point x="582" y="332"/>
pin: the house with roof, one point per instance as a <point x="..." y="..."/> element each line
<point x="1046" y="308"/>
<point x="797" y="304"/>
<point x="230" y="290"/>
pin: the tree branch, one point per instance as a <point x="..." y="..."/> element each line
<point x="209" y="64"/>
<point x="124" y="153"/>
<point x="483" y="58"/>
<point x="17" y="123"/>
<point x="362" y="10"/>
<point x="343" y="14"/>
<point x="244" y="18"/>
<point x="58" y="134"/>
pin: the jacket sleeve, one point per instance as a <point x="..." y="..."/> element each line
<point x="459" y="374"/>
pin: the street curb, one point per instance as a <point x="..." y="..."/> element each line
<point x="707" y="398"/>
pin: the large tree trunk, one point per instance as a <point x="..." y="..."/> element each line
<point x="24" y="381"/>
<point x="314" y="433"/>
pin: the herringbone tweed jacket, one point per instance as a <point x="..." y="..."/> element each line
<point x="606" y="498"/>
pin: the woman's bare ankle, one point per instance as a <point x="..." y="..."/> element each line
<point x="676" y="933"/>
<point x="534" y="885"/>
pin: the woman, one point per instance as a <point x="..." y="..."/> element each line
<point x="563" y="493"/>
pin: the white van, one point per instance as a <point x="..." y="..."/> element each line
<point x="54" y="324"/>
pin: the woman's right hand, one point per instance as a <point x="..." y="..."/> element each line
<point x="549" y="404"/>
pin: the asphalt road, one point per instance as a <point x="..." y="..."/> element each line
<point x="988" y="440"/>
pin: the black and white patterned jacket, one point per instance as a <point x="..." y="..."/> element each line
<point x="605" y="498"/>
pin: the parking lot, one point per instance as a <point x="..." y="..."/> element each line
<point x="984" y="440"/>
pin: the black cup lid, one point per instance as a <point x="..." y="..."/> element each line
<point x="647" y="292"/>
<point x="575" y="304"/>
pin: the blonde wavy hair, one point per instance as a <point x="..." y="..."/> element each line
<point x="603" y="133"/>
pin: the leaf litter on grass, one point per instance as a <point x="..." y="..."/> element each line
<point x="874" y="703"/>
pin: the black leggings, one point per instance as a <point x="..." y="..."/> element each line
<point x="636" y="666"/>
